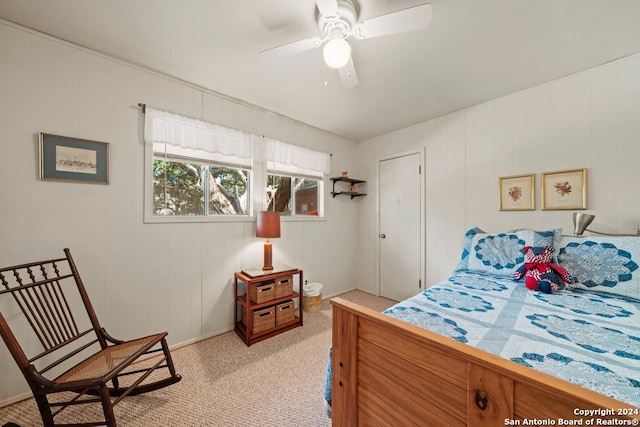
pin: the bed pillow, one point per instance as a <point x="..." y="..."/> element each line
<point x="604" y="264"/>
<point x="500" y="254"/>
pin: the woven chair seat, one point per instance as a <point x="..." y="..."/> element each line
<point x="51" y="295"/>
<point x="110" y="361"/>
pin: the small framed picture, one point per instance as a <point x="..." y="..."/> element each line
<point x="517" y="193"/>
<point x="564" y="190"/>
<point x="72" y="159"/>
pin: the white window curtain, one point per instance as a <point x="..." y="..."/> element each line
<point x="295" y="160"/>
<point x="182" y="136"/>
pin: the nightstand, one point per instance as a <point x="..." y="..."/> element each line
<point x="267" y="302"/>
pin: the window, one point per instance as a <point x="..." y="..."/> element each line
<point x="294" y="196"/>
<point x="186" y="187"/>
<point x="195" y="169"/>
<point x="231" y="192"/>
<point x="295" y="179"/>
<point x="177" y="188"/>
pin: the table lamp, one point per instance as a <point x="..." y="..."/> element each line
<point x="268" y="226"/>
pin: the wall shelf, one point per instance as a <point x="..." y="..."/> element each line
<point x="351" y="182"/>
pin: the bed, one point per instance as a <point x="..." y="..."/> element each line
<point x="480" y="349"/>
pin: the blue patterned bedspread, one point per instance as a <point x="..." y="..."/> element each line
<point x="588" y="338"/>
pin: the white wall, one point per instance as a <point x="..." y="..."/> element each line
<point x="588" y="120"/>
<point x="142" y="278"/>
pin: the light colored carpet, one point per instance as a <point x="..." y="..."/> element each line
<point x="276" y="382"/>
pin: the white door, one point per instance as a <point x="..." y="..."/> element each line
<point x="400" y="231"/>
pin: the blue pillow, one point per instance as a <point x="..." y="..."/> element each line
<point x="500" y="254"/>
<point x="605" y="264"/>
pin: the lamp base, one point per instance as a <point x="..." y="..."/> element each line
<point x="267" y="256"/>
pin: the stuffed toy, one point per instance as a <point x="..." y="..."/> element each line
<point x="539" y="273"/>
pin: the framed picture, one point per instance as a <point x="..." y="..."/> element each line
<point x="564" y="190"/>
<point x="72" y="159"/>
<point x="517" y="193"/>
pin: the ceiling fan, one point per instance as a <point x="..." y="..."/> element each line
<point x="338" y="20"/>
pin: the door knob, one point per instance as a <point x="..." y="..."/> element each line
<point x="382" y="235"/>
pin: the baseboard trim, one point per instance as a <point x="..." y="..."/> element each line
<point x="15" y="399"/>
<point x="28" y="395"/>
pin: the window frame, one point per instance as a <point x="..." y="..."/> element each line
<point x="320" y="194"/>
<point x="149" y="205"/>
<point x="221" y="146"/>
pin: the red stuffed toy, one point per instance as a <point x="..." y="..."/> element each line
<point x="539" y="273"/>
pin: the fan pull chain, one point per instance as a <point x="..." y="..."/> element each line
<point x="325" y="75"/>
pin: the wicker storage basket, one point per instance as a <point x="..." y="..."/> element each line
<point x="262" y="292"/>
<point x="284" y="287"/>
<point x="285" y="312"/>
<point x="263" y="319"/>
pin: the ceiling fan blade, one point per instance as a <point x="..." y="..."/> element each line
<point x="328" y="7"/>
<point x="293" y="47"/>
<point x="348" y="75"/>
<point x="410" y="19"/>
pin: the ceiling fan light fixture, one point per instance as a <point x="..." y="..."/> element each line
<point x="336" y="53"/>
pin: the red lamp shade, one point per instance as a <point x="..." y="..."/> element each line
<point x="268" y="224"/>
<point x="268" y="227"/>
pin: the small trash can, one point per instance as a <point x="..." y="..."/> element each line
<point x="312" y="297"/>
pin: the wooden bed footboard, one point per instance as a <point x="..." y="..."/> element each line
<point x="390" y="373"/>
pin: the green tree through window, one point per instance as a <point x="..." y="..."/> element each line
<point x="180" y="188"/>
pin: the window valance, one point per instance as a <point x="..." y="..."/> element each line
<point x="293" y="159"/>
<point x="163" y="127"/>
<point x="176" y="135"/>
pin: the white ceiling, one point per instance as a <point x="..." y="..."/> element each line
<point x="473" y="51"/>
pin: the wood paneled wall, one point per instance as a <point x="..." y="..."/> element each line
<point x="587" y="120"/>
<point x="141" y="277"/>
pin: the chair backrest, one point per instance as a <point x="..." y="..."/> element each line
<point x="48" y="293"/>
